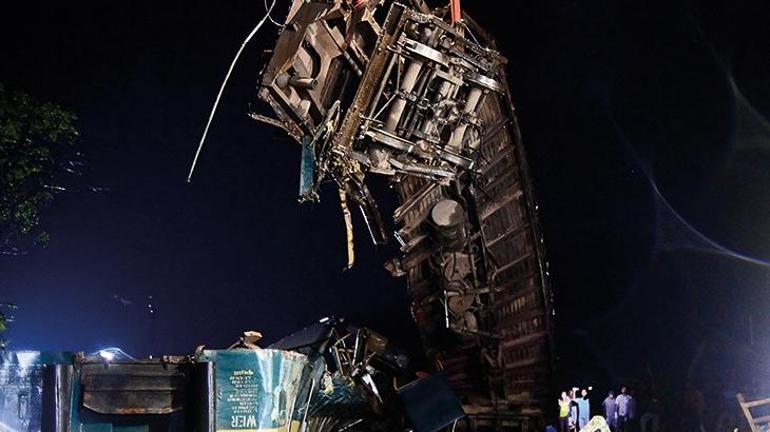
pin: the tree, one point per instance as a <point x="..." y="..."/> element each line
<point x="35" y="140"/>
<point x="3" y="328"/>
<point x="4" y="320"/>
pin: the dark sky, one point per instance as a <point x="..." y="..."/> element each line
<point x="645" y="125"/>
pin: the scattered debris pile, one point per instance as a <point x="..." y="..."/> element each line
<point x="328" y="377"/>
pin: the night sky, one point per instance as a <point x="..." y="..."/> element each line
<point x="645" y="123"/>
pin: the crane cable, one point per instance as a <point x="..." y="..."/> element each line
<point x="224" y="83"/>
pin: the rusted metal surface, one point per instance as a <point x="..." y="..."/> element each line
<point x="424" y="101"/>
<point x="135" y="386"/>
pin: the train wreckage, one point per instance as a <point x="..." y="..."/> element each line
<point x="420" y="96"/>
<point x="330" y="376"/>
<point x="367" y="87"/>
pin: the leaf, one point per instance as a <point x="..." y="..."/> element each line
<point x="35" y="139"/>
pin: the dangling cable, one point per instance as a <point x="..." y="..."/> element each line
<point x="271" y="18"/>
<point x="222" y="88"/>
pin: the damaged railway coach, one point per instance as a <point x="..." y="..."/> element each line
<point x="420" y="95"/>
<point x="330" y="376"/>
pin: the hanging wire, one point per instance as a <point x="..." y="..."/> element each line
<point x="471" y="33"/>
<point x="222" y="88"/>
<point x="269" y="15"/>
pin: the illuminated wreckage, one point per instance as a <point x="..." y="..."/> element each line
<point x="420" y="96"/>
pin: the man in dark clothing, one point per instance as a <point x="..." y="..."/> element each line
<point x="611" y="410"/>
<point x="650" y="420"/>
<point x="631" y="420"/>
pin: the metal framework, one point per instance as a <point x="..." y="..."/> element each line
<point x="423" y="100"/>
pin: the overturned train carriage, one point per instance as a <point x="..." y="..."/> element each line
<point x="406" y="92"/>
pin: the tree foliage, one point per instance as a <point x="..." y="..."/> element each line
<point x="3" y="328"/>
<point x="4" y="320"/>
<point x="34" y="138"/>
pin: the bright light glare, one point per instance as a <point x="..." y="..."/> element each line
<point x="107" y="355"/>
<point x="110" y="354"/>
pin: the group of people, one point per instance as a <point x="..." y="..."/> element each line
<point x="574" y="411"/>
<point x="620" y="411"/>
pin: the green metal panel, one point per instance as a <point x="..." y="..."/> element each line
<point x="256" y="389"/>
<point x="94" y="427"/>
<point x="142" y="428"/>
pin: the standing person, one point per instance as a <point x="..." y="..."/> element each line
<point x="650" y="420"/>
<point x="584" y="409"/>
<point x="632" y="414"/>
<point x="611" y="410"/>
<point x="573" y="410"/>
<point x="622" y="402"/>
<point x="564" y="412"/>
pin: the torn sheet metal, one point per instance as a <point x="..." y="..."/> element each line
<point x="257" y="389"/>
<point x="348" y="228"/>
<point x="354" y="370"/>
<point x="328" y="377"/>
<point x="338" y="394"/>
<point x="430" y="403"/>
<point x="307" y="168"/>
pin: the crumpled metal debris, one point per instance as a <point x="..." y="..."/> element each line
<point x="330" y="376"/>
<point x="420" y="97"/>
<point x="408" y="89"/>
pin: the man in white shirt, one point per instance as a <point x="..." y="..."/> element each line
<point x="622" y="402"/>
